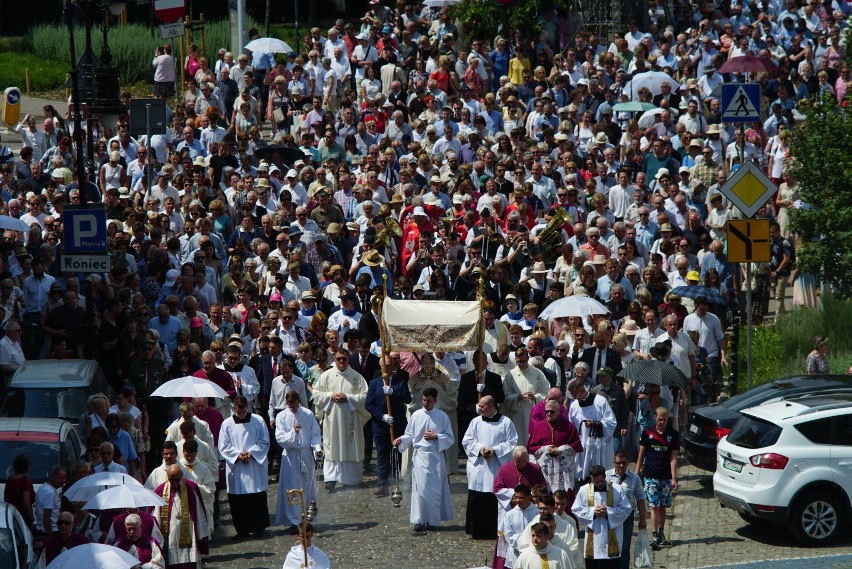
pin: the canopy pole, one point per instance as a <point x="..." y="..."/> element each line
<point x="480" y="289"/>
<point x="385" y="347"/>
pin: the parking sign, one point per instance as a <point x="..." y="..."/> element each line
<point x="84" y="230"/>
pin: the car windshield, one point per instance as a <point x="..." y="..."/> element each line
<point x="777" y="388"/>
<point x="54" y="402"/>
<point x="750" y="432"/>
<point x="42" y="456"/>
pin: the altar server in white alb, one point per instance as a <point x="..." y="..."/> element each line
<point x="339" y="396"/>
<point x="488" y="444"/>
<point x="430" y="432"/>
<point x="298" y="434"/>
<point x="543" y="553"/>
<point x="603" y="509"/>
<point x="317" y="559"/>
<point x="244" y="444"/>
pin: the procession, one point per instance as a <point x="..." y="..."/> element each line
<point x="405" y="260"/>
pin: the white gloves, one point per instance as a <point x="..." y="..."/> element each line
<point x="480" y="387"/>
<point x="388" y="390"/>
<point x="387" y="419"/>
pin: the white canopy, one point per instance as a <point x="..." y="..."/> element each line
<point x="431" y="325"/>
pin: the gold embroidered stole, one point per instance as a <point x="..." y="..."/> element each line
<point x="185" y="521"/>
<point x="612" y="541"/>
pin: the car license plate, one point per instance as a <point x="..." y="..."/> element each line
<point x="693" y="428"/>
<point x="732" y="465"/>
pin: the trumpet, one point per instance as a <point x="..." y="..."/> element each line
<point x="520" y="238"/>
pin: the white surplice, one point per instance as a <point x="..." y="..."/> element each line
<point x="566" y="531"/>
<point x="297" y="460"/>
<point x="430" y="487"/>
<point x="201" y="474"/>
<point x="343" y="424"/>
<point x="447" y="402"/>
<point x="532" y="558"/>
<point x="596" y="450"/>
<point x="501" y="437"/>
<point x="509" y="530"/>
<point x="253" y="437"/>
<point x="317" y="559"/>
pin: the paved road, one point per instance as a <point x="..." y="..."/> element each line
<point x="360" y="531"/>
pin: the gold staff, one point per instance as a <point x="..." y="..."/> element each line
<point x="296" y="497"/>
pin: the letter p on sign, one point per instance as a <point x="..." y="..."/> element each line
<point x="85" y="228"/>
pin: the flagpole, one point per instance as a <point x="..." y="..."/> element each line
<point x="385" y="348"/>
<point x="480" y="287"/>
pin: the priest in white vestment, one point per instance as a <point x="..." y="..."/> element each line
<point x="158" y="475"/>
<point x="199" y="472"/>
<point x="565" y="534"/>
<point x="339" y="396"/>
<point x="524" y="386"/>
<point x="202" y="429"/>
<point x="431" y="375"/>
<point x="244" y="444"/>
<point x="603" y="509"/>
<point x="430" y="433"/>
<point x="298" y="434"/>
<point x="488" y="444"/>
<point x="594" y="420"/>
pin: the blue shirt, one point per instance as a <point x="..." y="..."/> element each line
<point x="168" y="331"/>
<point x="125" y="446"/>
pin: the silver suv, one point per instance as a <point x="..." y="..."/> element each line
<point x="790" y="462"/>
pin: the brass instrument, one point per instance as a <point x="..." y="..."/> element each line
<point x="513" y="243"/>
<point x="550" y="239"/>
<point x="391" y="230"/>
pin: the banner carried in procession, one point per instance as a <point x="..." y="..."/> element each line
<point x="427" y="325"/>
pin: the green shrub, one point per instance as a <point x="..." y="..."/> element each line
<point x="132" y="46"/>
<point x="800" y="326"/>
<point x="44" y="74"/>
<point x="768" y="359"/>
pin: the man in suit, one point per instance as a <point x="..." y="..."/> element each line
<point x="458" y="287"/>
<point x="368" y="365"/>
<point x="369" y="324"/>
<point x="601" y="355"/>
<point x="471" y="389"/>
<point x="667" y="94"/>
<point x="495" y="288"/>
<point x="266" y="365"/>
<point x="380" y="422"/>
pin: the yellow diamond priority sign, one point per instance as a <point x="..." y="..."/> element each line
<point x="749" y="189"/>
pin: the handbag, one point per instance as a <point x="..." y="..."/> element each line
<point x="643" y="556"/>
<point x="278" y="115"/>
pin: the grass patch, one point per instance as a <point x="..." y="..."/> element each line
<point x="45" y="74"/>
<point x="780" y="349"/>
<point x="132" y="45"/>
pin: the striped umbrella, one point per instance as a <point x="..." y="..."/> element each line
<point x="654" y="371"/>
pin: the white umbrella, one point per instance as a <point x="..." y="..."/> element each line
<point x="124" y="497"/>
<point x="648" y="118"/>
<point x="94" y="556"/>
<point x="189" y="386"/>
<point x="7" y="222"/>
<point x="268" y="45"/>
<point x="653" y="80"/>
<point x="574" y="305"/>
<point x="440" y="3"/>
<point x="85" y="488"/>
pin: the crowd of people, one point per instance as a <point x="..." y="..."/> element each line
<point x="252" y="240"/>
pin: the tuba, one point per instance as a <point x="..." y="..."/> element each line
<point x="550" y="239"/>
<point x="391" y="230"/>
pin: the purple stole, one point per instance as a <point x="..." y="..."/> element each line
<point x="143" y="547"/>
<point x="148" y="522"/>
<point x="193" y="496"/>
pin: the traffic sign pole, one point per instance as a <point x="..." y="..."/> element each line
<point x="748" y="325"/>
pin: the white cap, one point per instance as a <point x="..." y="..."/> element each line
<point x="419" y="211"/>
<point x="291" y="173"/>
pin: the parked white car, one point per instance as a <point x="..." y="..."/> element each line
<point x="790" y="463"/>
<point x="16" y="541"/>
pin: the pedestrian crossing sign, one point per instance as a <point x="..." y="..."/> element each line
<point x="740" y="102"/>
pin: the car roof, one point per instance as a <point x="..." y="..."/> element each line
<point x="779" y="411"/>
<point x="783" y="386"/>
<point x="50" y="427"/>
<point x="54" y="373"/>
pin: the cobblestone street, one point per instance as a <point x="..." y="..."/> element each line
<point x="358" y="530"/>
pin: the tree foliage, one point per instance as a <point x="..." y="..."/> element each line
<point x="486" y="18"/>
<point x="823" y="166"/>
